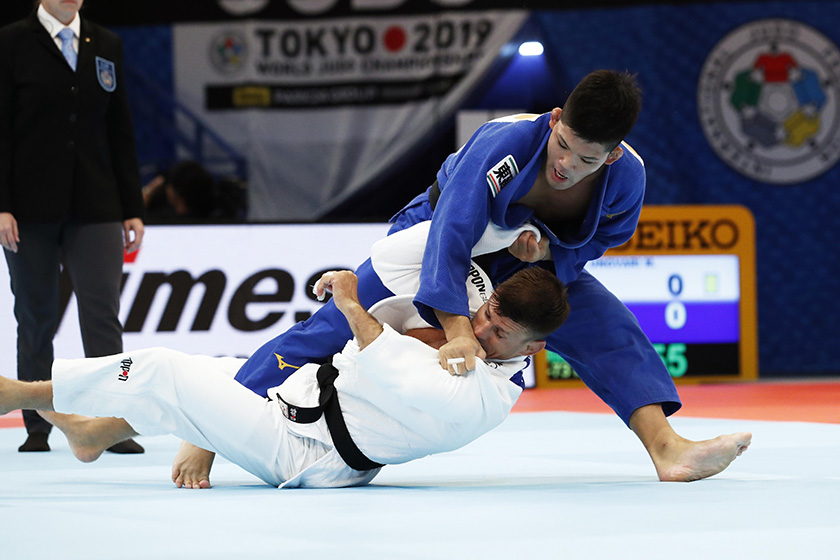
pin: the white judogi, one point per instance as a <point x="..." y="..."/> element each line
<point x="398" y="403"/>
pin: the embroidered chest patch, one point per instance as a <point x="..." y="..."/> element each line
<point x="501" y="174"/>
<point x="106" y="74"/>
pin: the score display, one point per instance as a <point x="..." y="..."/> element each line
<point x="688" y="275"/>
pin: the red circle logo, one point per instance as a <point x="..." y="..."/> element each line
<point x="394" y="38"/>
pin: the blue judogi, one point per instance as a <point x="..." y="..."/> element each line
<point x="480" y="183"/>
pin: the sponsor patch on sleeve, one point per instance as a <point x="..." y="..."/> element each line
<point x="501" y="174"/>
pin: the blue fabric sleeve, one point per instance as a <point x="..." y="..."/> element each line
<point x="459" y="219"/>
<point x="466" y="206"/>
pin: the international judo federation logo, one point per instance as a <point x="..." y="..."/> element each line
<point x="228" y="52"/>
<point x="769" y="101"/>
<point x="106" y="74"/>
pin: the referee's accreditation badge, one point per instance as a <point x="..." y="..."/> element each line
<point x="106" y="74"/>
<point x="501" y="174"/>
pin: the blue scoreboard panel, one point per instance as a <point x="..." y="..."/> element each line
<point x="688" y="275"/>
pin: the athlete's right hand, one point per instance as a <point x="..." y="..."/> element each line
<point x="527" y="248"/>
<point x="9" y="237"/>
<point x="458" y="355"/>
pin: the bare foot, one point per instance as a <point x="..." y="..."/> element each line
<point x="191" y="467"/>
<point x="682" y="460"/>
<point x="89" y="437"/>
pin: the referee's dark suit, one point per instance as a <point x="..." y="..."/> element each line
<point x="69" y="178"/>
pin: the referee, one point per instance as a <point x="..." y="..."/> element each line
<point x="69" y="185"/>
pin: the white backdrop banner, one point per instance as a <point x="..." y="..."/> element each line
<point x="320" y="107"/>
<point x="215" y="290"/>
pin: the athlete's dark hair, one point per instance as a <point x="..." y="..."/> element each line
<point x="603" y="107"/>
<point x="533" y="298"/>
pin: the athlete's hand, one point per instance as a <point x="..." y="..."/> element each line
<point x="458" y="355"/>
<point x="9" y="237"/>
<point x="527" y="248"/>
<point x="343" y="286"/>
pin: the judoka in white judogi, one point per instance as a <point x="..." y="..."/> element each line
<point x="396" y="400"/>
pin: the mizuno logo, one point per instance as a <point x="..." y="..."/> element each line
<point x="282" y="364"/>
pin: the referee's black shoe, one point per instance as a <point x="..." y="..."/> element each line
<point x="36" y="441"/>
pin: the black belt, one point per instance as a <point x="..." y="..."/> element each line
<point x="329" y="407"/>
<point x="434" y="194"/>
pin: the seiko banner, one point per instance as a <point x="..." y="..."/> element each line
<point x="320" y="107"/>
<point x="218" y="291"/>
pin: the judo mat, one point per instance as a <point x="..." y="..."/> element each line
<point x="559" y="479"/>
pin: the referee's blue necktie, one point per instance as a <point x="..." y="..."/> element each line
<point x="66" y="36"/>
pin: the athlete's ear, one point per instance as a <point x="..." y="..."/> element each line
<point x="533" y="347"/>
<point x="614" y="156"/>
<point x="555" y="116"/>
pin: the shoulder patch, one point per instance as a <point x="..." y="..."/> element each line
<point x="501" y="174"/>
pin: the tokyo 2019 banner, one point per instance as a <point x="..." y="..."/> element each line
<point x="320" y="107"/>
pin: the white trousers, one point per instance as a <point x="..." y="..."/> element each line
<point x="161" y="391"/>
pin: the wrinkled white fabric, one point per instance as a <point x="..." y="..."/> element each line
<point x="398" y="257"/>
<point x="397" y="402"/>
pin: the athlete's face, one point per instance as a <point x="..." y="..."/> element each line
<point x="500" y="337"/>
<point x="63" y="10"/>
<point x="569" y="159"/>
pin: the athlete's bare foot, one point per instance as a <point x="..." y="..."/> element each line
<point x="191" y="467"/>
<point x="89" y="437"/>
<point x="682" y="460"/>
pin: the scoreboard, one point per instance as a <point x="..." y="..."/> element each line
<point x="688" y="275"/>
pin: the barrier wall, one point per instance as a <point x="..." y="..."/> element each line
<point x="214" y="290"/>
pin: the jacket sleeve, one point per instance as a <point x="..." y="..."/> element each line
<point x="465" y="208"/>
<point x="459" y="219"/>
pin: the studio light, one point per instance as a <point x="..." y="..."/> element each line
<point x="531" y="48"/>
